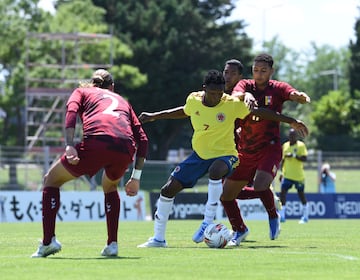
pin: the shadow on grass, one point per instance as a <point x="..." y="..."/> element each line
<point x="266" y="247"/>
<point x="95" y="258"/>
<point x="199" y="246"/>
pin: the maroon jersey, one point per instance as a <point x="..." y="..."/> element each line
<point x="256" y="133"/>
<point x="104" y="112"/>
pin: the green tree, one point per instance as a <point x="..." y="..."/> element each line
<point x="290" y="68"/>
<point x="317" y="71"/>
<point x="336" y="121"/>
<point x="286" y="62"/>
<point x="81" y="16"/>
<point x="354" y="65"/>
<point x="17" y="18"/>
<point x="174" y="43"/>
<point x="326" y="81"/>
<point x="21" y="18"/>
<point x="326" y="70"/>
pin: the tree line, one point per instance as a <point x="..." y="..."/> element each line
<point x="161" y="50"/>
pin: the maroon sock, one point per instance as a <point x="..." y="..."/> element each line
<point x="267" y="198"/>
<point x="248" y="193"/>
<point x="50" y="207"/>
<point x="233" y="212"/>
<point x="112" y="210"/>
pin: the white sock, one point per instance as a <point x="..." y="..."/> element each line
<point x="162" y="213"/>
<point x="282" y="212"/>
<point x="305" y="211"/>
<point x="215" y="189"/>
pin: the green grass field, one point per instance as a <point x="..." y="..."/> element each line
<point x="321" y="249"/>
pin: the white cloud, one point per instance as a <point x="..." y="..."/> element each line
<point x="47" y="5"/>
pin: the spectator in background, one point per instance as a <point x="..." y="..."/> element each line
<point x="327" y="179"/>
<point x="292" y="167"/>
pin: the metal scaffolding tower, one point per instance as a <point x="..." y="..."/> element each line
<point x="51" y="76"/>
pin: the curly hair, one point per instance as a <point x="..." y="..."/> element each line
<point x="214" y="77"/>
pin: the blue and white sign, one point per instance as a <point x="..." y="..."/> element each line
<point x="321" y="206"/>
<point x="24" y="206"/>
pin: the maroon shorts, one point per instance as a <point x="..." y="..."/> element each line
<point x="267" y="159"/>
<point x="96" y="154"/>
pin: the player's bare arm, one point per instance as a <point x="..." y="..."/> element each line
<point x="247" y="97"/>
<point x="270" y="115"/>
<point x="139" y="163"/>
<point x="132" y="186"/>
<point x="300" y="128"/>
<point x="69" y="136"/>
<point x="174" y="113"/>
<point x="300" y="97"/>
<point x="70" y="151"/>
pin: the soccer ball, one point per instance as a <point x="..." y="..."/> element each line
<point x="216" y="236"/>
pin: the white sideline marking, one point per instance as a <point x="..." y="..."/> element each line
<point x="345" y="257"/>
<point x="351" y="258"/>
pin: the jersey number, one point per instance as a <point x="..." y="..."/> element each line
<point x="114" y="104"/>
<point x="255" y="118"/>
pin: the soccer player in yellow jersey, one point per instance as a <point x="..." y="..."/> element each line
<point x="212" y="114"/>
<point x="292" y="167"/>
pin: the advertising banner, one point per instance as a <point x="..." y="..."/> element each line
<point x="321" y="206"/>
<point x="23" y="206"/>
<point x="192" y="206"/>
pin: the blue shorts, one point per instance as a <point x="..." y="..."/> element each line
<point x="286" y="184"/>
<point x="193" y="168"/>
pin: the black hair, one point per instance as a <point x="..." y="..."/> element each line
<point x="264" y="57"/>
<point x="214" y="77"/>
<point x="236" y="63"/>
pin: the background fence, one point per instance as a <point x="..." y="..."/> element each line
<point x="23" y="170"/>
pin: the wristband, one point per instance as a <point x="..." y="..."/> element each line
<point x="136" y="174"/>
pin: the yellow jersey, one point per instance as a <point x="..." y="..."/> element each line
<point x="293" y="168"/>
<point x="214" y="126"/>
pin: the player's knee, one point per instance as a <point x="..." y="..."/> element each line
<point x="171" y="188"/>
<point x="166" y="192"/>
<point x="218" y="170"/>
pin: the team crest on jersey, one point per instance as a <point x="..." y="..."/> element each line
<point x="268" y="100"/>
<point x="220" y="117"/>
<point x="177" y="169"/>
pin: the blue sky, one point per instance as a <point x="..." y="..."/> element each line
<point x="299" y="22"/>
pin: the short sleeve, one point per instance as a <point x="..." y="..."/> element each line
<point x="188" y="105"/>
